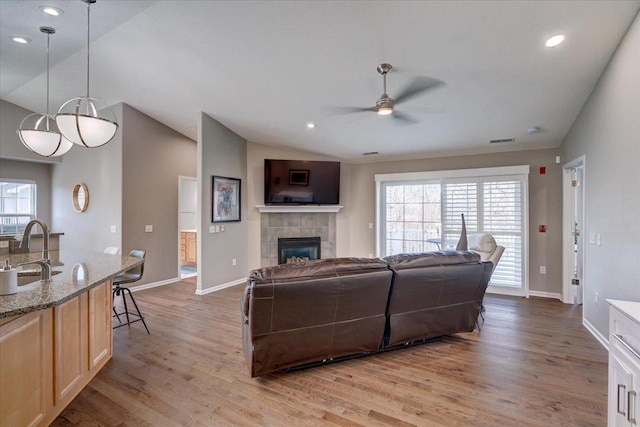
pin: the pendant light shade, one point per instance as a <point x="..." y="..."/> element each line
<point x="87" y="121"/>
<point x="84" y="120"/>
<point x="39" y="132"/>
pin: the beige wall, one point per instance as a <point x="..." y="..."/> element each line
<point x="545" y="205"/>
<point x="153" y="156"/>
<point x="256" y="153"/>
<point x="607" y="133"/>
<point x="101" y="170"/>
<point x="38" y="172"/>
<point x="10" y="145"/>
<point x="221" y="152"/>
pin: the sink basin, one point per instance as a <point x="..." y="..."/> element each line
<point x="26" y="277"/>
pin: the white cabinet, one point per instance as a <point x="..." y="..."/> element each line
<point x="624" y="363"/>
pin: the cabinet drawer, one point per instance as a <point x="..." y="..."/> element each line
<point x="624" y="335"/>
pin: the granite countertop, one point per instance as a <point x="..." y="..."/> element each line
<point x="630" y="308"/>
<point x="11" y="236"/>
<point x="79" y="272"/>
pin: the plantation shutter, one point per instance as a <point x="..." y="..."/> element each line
<point x="458" y="197"/>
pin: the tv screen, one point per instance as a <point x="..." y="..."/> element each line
<point x="301" y="182"/>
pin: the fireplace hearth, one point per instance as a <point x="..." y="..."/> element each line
<point x="293" y="250"/>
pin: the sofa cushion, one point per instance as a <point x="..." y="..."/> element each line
<point x="431" y="259"/>
<point x="318" y="268"/>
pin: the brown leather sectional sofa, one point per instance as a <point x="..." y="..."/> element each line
<point x="300" y="314"/>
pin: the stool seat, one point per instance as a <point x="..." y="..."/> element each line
<point x="132" y="275"/>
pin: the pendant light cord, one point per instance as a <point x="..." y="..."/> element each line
<point x="88" y="42"/>
<point x="48" y="38"/>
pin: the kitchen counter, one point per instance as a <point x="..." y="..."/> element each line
<point x="79" y="272"/>
<point x="630" y="308"/>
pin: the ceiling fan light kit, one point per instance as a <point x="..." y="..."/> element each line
<point x="39" y="132"/>
<point x="84" y="120"/>
<point x="385" y="105"/>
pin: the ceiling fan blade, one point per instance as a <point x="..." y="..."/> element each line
<point x="401" y="118"/>
<point x="418" y="86"/>
<point x="348" y="110"/>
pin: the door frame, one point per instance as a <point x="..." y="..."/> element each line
<point x="568" y="216"/>
<point x="180" y="179"/>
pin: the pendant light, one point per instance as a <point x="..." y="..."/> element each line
<point x="39" y="132"/>
<point x="87" y="121"/>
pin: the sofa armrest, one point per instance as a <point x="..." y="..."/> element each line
<point x="244" y="303"/>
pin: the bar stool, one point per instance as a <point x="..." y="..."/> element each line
<point x="132" y="275"/>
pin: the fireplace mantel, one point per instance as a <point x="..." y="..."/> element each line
<point x="300" y="209"/>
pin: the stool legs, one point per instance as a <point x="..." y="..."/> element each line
<point x="121" y="290"/>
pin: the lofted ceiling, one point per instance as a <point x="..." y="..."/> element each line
<point x="265" y="69"/>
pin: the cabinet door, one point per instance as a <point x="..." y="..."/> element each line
<point x="26" y="374"/>
<point x="100" y="325"/>
<point x="192" y="248"/>
<point x="70" y="322"/>
<point x="620" y="393"/>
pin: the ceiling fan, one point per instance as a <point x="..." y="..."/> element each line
<point x="385" y="104"/>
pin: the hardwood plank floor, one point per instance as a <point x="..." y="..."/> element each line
<point x="533" y="364"/>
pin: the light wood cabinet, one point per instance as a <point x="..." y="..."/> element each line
<point x="47" y="357"/>
<point x="624" y="367"/>
<point x="188" y="247"/>
<point x="26" y="374"/>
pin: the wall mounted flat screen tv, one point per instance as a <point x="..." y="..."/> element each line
<point x="301" y="182"/>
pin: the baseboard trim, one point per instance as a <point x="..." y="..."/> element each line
<point x="220" y="287"/>
<point x="601" y="339"/>
<point x="154" y="284"/>
<point x="542" y="294"/>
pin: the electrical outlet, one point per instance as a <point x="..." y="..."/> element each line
<point x="370" y="226"/>
<point x="543" y="269"/>
<point x="370" y="255"/>
<point x="596" y="298"/>
<point x="113" y="228"/>
<point x="233" y="261"/>
<point x="148" y="228"/>
<point x="599" y="239"/>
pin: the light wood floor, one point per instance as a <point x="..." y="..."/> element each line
<point x="533" y="364"/>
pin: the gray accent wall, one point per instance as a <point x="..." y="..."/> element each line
<point x="607" y="133"/>
<point x="10" y="145"/>
<point x="545" y="205"/>
<point x="221" y="152"/>
<point x="101" y="170"/>
<point x="153" y="157"/>
<point x="38" y="172"/>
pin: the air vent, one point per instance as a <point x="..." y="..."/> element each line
<point x="370" y="153"/>
<point x="500" y="141"/>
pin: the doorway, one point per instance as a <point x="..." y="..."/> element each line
<point x="187" y="225"/>
<point x="574" y="286"/>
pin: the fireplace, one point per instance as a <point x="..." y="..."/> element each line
<point x="298" y="249"/>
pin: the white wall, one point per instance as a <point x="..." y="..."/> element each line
<point x="607" y="132"/>
<point x="221" y="152"/>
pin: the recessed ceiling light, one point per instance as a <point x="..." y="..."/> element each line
<point x="50" y="10"/>
<point x="311" y="125"/>
<point x="555" y="40"/>
<point x="20" y="39"/>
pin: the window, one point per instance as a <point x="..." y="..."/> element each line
<point x="17" y="205"/>
<point x="419" y="215"/>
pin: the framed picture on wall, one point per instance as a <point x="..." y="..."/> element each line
<point x="225" y="199"/>
<point x="298" y="177"/>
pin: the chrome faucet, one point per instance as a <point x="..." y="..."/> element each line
<point x="45" y="262"/>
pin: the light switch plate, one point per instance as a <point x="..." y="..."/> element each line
<point x="114" y="228"/>
<point x="148" y="228"/>
<point x="212" y="229"/>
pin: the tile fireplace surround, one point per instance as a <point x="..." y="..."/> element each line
<point x="276" y="225"/>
